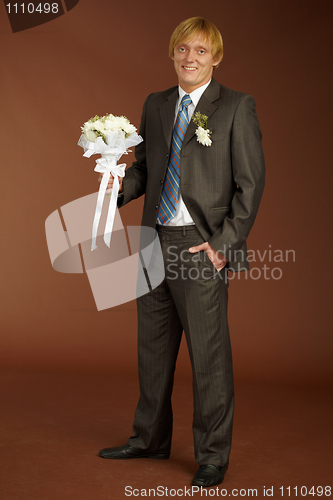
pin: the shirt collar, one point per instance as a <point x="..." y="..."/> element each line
<point x="195" y="95"/>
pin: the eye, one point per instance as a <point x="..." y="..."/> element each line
<point x="181" y="49"/>
<point x="202" y="51"/>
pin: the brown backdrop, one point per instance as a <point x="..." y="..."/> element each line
<point x="105" y="56"/>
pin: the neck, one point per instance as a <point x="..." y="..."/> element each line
<point x="191" y="88"/>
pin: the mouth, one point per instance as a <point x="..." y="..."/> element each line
<point x="189" y="68"/>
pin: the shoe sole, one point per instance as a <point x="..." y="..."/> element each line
<point x="203" y="485"/>
<point x="155" y="457"/>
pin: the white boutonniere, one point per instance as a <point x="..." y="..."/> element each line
<point x="202" y="132"/>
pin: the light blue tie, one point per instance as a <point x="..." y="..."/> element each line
<point x="170" y="191"/>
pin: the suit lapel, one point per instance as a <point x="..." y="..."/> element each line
<point x="167" y="113"/>
<point x="205" y="106"/>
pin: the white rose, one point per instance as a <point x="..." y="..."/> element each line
<point x="99" y="125"/>
<point x="90" y="135"/>
<point x="109" y="123"/>
<point x="123" y="123"/>
<point x="130" y="129"/>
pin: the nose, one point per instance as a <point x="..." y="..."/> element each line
<point x="190" y="55"/>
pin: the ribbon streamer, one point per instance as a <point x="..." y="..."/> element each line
<point x="107" y="165"/>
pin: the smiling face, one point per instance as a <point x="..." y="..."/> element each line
<point x="193" y="63"/>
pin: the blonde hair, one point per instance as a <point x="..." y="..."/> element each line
<point x="196" y="26"/>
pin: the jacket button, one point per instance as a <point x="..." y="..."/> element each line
<point x="167" y="155"/>
<point x="156" y="207"/>
<point x="161" y="181"/>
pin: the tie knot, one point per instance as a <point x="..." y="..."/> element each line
<point x="186" y="101"/>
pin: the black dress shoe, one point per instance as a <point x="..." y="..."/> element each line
<point x="127" y="451"/>
<point x="209" y="475"/>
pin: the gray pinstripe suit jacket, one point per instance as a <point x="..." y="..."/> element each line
<point x="221" y="184"/>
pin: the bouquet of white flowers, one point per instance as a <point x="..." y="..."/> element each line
<point x="110" y="136"/>
<point x="102" y="126"/>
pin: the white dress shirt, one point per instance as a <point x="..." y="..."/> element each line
<point x="182" y="217"/>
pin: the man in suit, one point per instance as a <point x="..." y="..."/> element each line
<point x="202" y="193"/>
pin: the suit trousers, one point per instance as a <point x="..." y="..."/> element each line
<point x="192" y="298"/>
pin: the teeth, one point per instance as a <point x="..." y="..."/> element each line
<point x="190" y="69"/>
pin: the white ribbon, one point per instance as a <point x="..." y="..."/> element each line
<point x="107" y="165"/>
<point x="116" y="146"/>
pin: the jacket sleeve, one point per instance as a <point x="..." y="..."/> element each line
<point x="135" y="179"/>
<point x="248" y="169"/>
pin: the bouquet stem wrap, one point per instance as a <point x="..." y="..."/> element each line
<point x="116" y="145"/>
